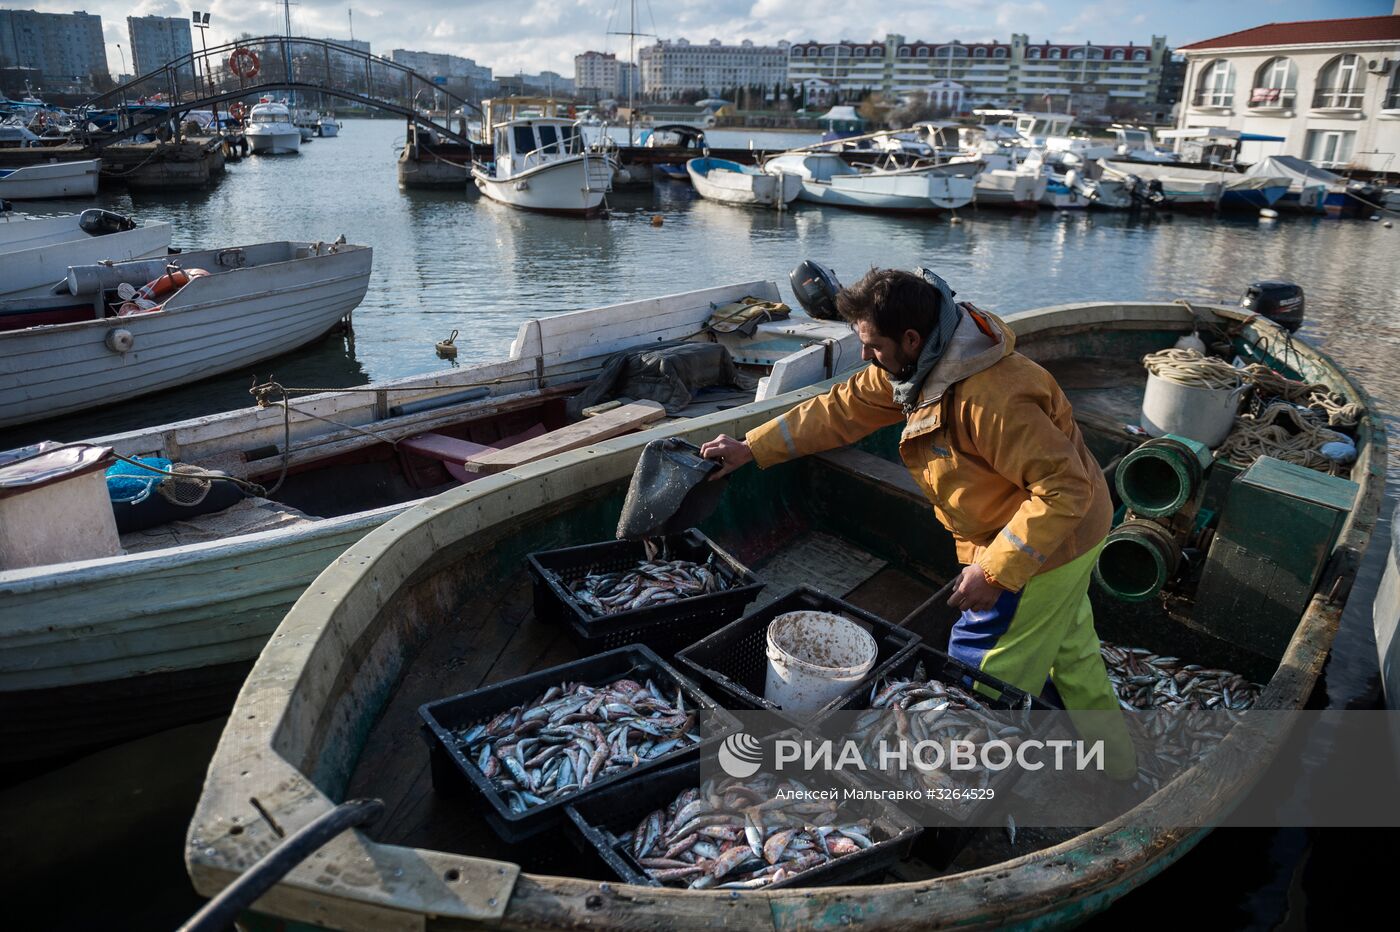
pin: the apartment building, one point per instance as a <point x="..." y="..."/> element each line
<point x="65" y="49"/>
<point x="1086" y="78"/>
<point x="157" y="40"/>
<point x="1330" y="89"/>
<point x="440" y="65"/>
<point x="670" y="68"/>
<point x="599" y="75"/>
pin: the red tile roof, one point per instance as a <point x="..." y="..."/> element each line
<point x="1312" y="32"/>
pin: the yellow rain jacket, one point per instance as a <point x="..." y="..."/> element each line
<point x="991" y="441"/>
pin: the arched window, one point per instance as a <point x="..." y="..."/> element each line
<point x="979" y="52"/>
<point x="1341" y="84"/>
<point x="1054" y="53"/>
<point x="923" y="51"/>
<point x="1095" y="54"/>
<point x="1275" y="84"/>
<point x="877" y="52"/>
<point x="1139" y="55"/>
<point x="1077" y="54"/>
<point x="904" y="51"/>
<point x="830" y="50"/>
<point x="796" y="51"/>
<point x="1217" y="85"/>
<point x="860" y="51"/>
<point x="999" y="52"/>
<point x="1117" y="54"/>
<point x="1392" y="93"/>
<point x="1032" y="53"/>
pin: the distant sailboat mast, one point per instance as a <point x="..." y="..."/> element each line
<point x="634" y="71"/>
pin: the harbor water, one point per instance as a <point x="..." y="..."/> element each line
<point x="450" y="260"/>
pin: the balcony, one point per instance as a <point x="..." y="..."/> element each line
<point x="1338" y="98"/>
<point x="1213" y="99"/>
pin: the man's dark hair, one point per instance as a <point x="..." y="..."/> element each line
<point x="892" y="301"/>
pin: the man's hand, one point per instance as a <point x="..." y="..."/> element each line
<point x="731" y="454"/>
<point x="974" y="591"/>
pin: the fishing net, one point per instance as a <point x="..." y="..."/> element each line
<point x="670" y="491"/>
<point x="189" y="486"/>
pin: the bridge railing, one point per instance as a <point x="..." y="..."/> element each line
<point x="208" y="79"/>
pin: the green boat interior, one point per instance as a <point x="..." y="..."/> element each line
<point x="850" y="522"/>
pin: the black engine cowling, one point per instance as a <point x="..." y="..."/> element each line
<point x="1280" y="302"/>
<point x="97" y="222"/>
<point x="815" y="287"/>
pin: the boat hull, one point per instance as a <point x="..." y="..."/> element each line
<point x="34" y="263"/>
<point x="1000" y="188"/>
<point x="745" y="189"/>
<point x="52" y="180"/>
<point x="328" y="129"/>
<point x="282" y="142"/>
<point x="900" y="193"/>
<point x="213" y="325"/>
<point x="575" y="185"/>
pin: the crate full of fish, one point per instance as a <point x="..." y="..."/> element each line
<point x="531" y="744"/>
<point x="929" y="696"/>
<point x="665" y="593"/>
<point x="733" y="662"/>
<point x="675" y="831"/>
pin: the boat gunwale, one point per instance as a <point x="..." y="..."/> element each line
<point x="1049" y="885"/>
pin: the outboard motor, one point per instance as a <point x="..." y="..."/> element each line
<point x="97" y="222"/>
<point x="815" y="287"/>
<point x="1280" y="302"/>
<point x="1145" y="193"/>
<point x="5" y="206"/>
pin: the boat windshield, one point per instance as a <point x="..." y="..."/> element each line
<point x="570" y="138"/>
<point x="524" y="139"/>
<point x="268" y="118"/>
<point x="549" y="140"/>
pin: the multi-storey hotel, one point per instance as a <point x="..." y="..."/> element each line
<point x="1327" y="90"/>
<point x="600" y="74"/>
<point x="671" y="68"/>
<point x="1086" y="77"/>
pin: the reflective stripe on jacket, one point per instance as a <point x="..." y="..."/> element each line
<point x="992" y="442"/>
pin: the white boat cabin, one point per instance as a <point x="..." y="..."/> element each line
<point x="528" y="132"/>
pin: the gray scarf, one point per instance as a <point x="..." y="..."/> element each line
<point x="906" y="391"/>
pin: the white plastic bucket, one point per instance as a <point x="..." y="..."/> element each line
<point x="1206" y="415"/>
<point x="813" y="658"/>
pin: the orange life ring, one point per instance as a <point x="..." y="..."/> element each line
<point x="145" y="298"/>
<point x="239" y="110"/>
<point x="244" y="63"/>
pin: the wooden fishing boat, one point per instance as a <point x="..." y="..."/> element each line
<point x="112" y="648"/>
<point x="50" y="180"/>
<point x="435" y="603"/>
<point x="217" y="311"/>
<point x="731" y="183"/>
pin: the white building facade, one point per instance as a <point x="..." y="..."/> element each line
<point x="670" y="68"/>
<point x="1329" y="88"/>
<point x="600" y="75"/>
<point x="963" y="75"/>
<point x="441" y="65"/>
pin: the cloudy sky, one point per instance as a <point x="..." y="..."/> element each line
<point x="532" y="35"/>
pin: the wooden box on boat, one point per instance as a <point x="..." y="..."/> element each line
<point x="332" y="697"/>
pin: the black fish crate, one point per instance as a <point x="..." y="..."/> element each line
<point x="454" y="772"/>
<point x="600" y="819"/>
<point x="733" y="662"/>
<point x="939" y="846"/>
<point x="664" y="628"/>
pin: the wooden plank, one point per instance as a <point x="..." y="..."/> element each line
<point x="802" y="368"/>
<point x="874" y="468"/>
<point x="592" y="430"/>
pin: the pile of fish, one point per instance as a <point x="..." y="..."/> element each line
<point x="575" y="734"/>
<point x="1185" y="701"/>
<point x="650" y="582"/>
<point x="922" y="709"/>
<point x="1144" y="680"/>
<point x="739" y="835"/>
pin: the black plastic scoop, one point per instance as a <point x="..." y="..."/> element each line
<point x="670" y="492"/>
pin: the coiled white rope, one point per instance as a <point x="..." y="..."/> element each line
<point x="1188" y="367"/>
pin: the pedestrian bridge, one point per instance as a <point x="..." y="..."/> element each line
<point x="211" y="79"/>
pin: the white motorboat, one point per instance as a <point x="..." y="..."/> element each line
<point x="327" y="126"/>
<point x="270" y="130"/>
<point x="541" y="161"/>
<point x="745" y="185"/>
<point x="131" y="328"/>
<point x="35" y="252"/>
<point x="50" y="180"/>
<point x="1006" y="181"/>
<point x="828" y="179"/>
<point x="16" y="134"/>
<point x="111" y="647"/>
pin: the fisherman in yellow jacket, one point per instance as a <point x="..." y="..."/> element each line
<point x="990" y="438"/>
